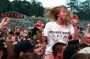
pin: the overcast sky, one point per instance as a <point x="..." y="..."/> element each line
<point x="51" y="3"/>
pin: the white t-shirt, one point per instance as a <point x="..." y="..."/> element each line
<point x="56" y="33"/>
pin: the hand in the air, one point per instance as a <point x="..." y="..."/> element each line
<point x="5" y="21"/>
<point x="88" y="24"/>
<point x="75" y="20"/>
<point x="39" y="25"/>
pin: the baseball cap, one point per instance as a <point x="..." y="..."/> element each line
<point x="23" y="46"/>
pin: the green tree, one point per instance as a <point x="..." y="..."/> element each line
<point x="81" y="8"/>
<point x="36" y="8"/>
<point x="25" y="7"/>
<point x="5" y="5"/>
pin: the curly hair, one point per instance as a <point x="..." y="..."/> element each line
<point x="51" y="13"/>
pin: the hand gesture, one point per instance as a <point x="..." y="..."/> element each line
<point x="39" y="25"/>
<point x="75" y="20"/>
<point x="88" y="24"/>
<point x="5" y="21"/>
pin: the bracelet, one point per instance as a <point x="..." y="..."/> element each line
<point x="75" y="25"/>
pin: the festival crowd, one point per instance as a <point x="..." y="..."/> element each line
<point x="60" y="38"/>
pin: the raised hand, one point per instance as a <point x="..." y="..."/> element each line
<point x="5" y="21"/>
<point x="75" y="20"/>
<point x="88" y="24"/>
<point x="39" y="25"/>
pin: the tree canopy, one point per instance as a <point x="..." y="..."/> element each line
<point x="25" y="7"/>
<point x="81" y="8"/>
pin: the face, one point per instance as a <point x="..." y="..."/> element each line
<point x="60" y="54"/>
<point x="39" y="23"/>
<point x="24" y="38"/>
<point x="39" y="50"/>
<point x="63" y="13"/>
<point x="13" y="38"/>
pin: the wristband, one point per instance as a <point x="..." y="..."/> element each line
<point x="75" y="25"/>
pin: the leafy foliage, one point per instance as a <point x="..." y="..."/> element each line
<point x="25" y="7"/>
<point x="81" y="8"/>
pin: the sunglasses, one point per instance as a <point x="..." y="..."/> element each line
<point x="36" y="47"/>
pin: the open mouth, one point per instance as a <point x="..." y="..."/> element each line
<point x="40" y="51"/>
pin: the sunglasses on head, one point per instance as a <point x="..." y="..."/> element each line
<point x="36" y="47"/>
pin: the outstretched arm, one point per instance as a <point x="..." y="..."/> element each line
<point x="75" y="23"/>
<point x="87" y="30"/>
<point x="39" y="26"/>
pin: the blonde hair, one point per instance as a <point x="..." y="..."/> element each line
<point x="51" y="13"/>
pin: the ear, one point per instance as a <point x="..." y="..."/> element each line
<point x="57" y="14"/>
<point x="59" y="53"/>
<point x="21" y="54"/>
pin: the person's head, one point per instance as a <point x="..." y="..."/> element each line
<point x="87" y="33"/>
<point x="39" y="24"/>
<point x="70" y="50"/>
<point x="58" y="49"/>
<point x="38" y="49"/>
<point x="23" y="49"/>
<point x="59" y="12"/>
<point x="13" y="38"/>
<point x="82" y="54"/>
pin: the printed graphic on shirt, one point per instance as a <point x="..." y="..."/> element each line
<point x="59" y="36"/>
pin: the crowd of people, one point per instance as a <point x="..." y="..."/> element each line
<point x="57" y="39"/>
